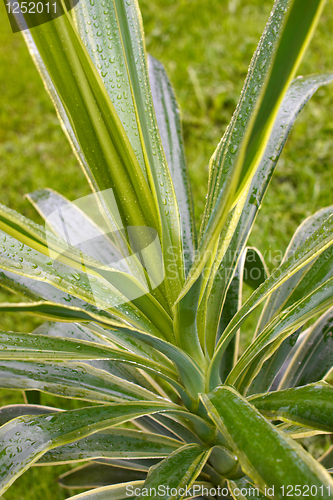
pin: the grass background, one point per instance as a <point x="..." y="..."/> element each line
<point x="206" y="48"/>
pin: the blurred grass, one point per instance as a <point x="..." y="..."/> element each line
<point x="206" y="49"/>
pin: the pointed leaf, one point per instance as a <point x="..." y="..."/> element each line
<point x="89" y="117"/>
<point x="310" y="405"/>
<point x="32" y="264"/>
<point x="113" y="443"/>
<point x="125" y="20"/>
<point x="190" y="373"/>
<point x="297" y="29"/>
<point x="24" y="346"/>
<point x="298" y="94"/>
<point x="244" y="489"/>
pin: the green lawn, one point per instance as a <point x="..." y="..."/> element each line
<point x="206" y="48"/>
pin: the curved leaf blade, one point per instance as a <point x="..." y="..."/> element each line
<point x="282" y="295"/>
<point x="276" y="331"/>
<point x="310" y="405"/>
<point x="244" y="489"/>
<point x="313" y="246"/>
<point x="47" y="201"/>
<point x="168" y="120"/>
<point x="28" y="438"/>
<point x="129" y="50"/>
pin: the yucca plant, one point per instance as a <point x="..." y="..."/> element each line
<point x="143" y="317"/>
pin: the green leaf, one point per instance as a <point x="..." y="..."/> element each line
<point x="9" y="412"/>
<point x="313" y="359"/>
<point x="129" y="51"/>
<point x="72" y="263"/>
<point x="299" y="431"/>
<point x="90" y="119"/>
<point x="296" y="97"/>
<point x="298" y="286"/>
<point x="129" y="373"/>
<point x="61" y="312"/>
<point x="297" y="28"/>
<point x="171" y="426"/>
<point x="297" y="32"/>
<point x="70" y="330"/>
<point x="25" y="439"/>
<point x="98" y="245"/>
<point x="36" y="290"/>
<point x="252" y="437"/>
<point x="310" y="405"/>
<point x="72" y="380"/>
<point x="32" y="289"/>
<point x="255" y="269"/>
<point x="179" y="471"/>
<point x="315" y="244"/>
<point x="272" y="370"/>
<point x="141" y="464"/>
<point x="24" y="346"/>
<point x="217" y="309"/>
<point x="224" y="461"/>
<point x="82" y="224"/>
<point x="276" y="331"/>
<point x="138" y="344"/>
<point x="190" y="373"/>
<point x="114" y="443"/>
<point x="96" y="475"/>
<point x="119" y="338"/>
<point x="224" y="155"/>
<point x="186" y="326"/>
<point x="168" y="120"/>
